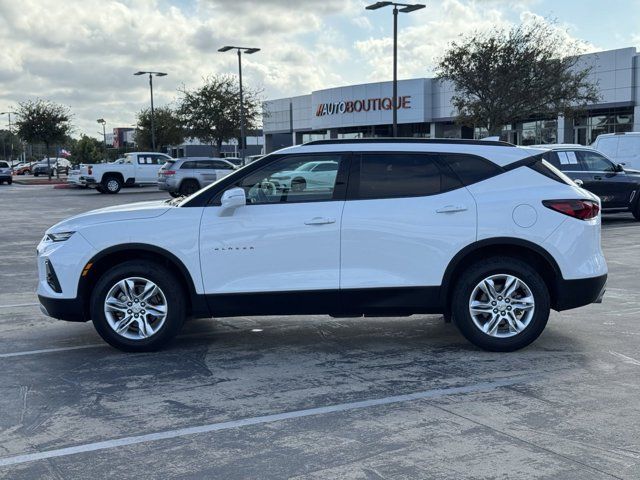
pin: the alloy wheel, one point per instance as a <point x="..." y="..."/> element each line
<point x="502" y="306"/>
<point x="135" y="308"/>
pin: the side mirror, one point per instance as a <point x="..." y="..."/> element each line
<point x="233" y="198"/>
<point x="578" y="182"/>
<point x="619" y="168"/>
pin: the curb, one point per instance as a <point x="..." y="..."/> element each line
<point x="63" y="185"/>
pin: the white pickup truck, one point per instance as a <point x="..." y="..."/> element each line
<point x="135" y="168"/>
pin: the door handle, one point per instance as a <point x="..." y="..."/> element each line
<point x="320" y="221"/>
<point x="452" y="209"/>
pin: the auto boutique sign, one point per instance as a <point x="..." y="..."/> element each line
<point x="364" y="105"/>
<point x="368" y="104"/>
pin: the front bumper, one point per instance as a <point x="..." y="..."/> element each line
<point x="5" y="176"/>
<point x="69" y="309"/>
<point x="577" y="293"/>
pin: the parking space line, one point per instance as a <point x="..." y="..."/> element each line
<point x="245" y="422"/>
<point x="20" y="305"/>
<point x="50" y="350"/>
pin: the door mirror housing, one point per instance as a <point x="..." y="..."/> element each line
<point x="233" y="198"/>
<point x="578" y="182"/>
<point x="618" y="168"/>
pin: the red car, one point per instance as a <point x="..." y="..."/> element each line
<point x="23" y="168"/>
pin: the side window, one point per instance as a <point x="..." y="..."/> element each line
<point x="220" y="165"/>
<point x="188" y="165"/>
<point x="471" y="169"/>
<point x="287" y="181"/>
<point x="204" y="165"/>
<point x="326" y="167"/>
<point x="159" y="159"/>
<point x="552" y="158"/>
<point x="144" y="159"/>
<point x="595" y="162"/>
<point x="393" y="175"/>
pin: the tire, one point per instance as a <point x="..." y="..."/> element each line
<point x="298" y="185"/>
<point x="99" y="189"/>
<point x="514" y="328"/>
<point x="161" y="329"/>
<point x="111" y="184"/>
<point x="636" y="211"/>
<point x="10" y="181"/>
<point x="174" y="194"/>
<point x="36" y="174"/>
<point x="189" y="187"/>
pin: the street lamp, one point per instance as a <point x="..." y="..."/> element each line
<point x="248" y="51"/>
<point x="11" y="150"/>
<point x="404" y="8"/>
<point x="153" y="125"/>
<point x="104" y="131"/>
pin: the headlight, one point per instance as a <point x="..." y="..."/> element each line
<point x="59" y="237"/>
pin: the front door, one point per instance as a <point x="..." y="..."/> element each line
<point x="282" y="240"/>
<point x="600" y="177"/>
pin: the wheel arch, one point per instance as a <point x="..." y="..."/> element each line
<point x="528" y="251"/>
<point x="117" y="254"/>
<point x="106" y="175"/>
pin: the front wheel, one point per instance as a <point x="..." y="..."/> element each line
<point x="501" y="304"/>
<point x="138" y="306"/>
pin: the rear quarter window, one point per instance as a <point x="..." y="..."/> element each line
<point x="471" y="169"/>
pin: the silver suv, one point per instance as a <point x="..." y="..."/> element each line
<point x="187" y="175"/>
<point x="5" y="173"/>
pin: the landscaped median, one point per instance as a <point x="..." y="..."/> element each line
<point x="29" y="180"/>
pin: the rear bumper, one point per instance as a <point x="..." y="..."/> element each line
<point x="69" y="309"/>
<point x="577" y="293"/>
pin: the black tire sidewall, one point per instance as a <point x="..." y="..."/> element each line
<point x="187" y="186"/>
<point x="106" y="181"/>
<point x="492" y="266"/>
<point x="169" y="285"/>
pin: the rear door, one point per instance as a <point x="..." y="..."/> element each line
<point x="405" y="218"/>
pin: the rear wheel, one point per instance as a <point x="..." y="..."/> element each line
<point x="111" y="184"/>
<point x="298" y="184"/>
<point x="501" y="304"/>
<point x="174" y="194"/>
<point x="138" y="306"/>
<point x="189" y="187"/>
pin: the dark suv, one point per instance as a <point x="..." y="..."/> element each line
<point x="617" y="187"/>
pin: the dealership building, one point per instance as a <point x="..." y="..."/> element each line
<point x="425" y="110"/>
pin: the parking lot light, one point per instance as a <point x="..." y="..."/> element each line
<point x="404" y="8"/>
<point x="153" y="126"/>
<point x="248" y="51"/>
<point x="104" y="131"/>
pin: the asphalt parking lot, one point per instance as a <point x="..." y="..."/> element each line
<point x="312" y="397"/>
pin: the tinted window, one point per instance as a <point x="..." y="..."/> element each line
<point x="543" y="167"/>
<point x="471" y="169"/>
<point x="280" y="182"/>
<point x="552" y="158"/>
<point x="220" y="165"/>
<point x="188" y="165"/>
<point x="326" y="167"/>
<point x="568" y="160"/>
<point x="389" y="175"/>
<point x="4" y="165"/>
<point x="594" y="162"/>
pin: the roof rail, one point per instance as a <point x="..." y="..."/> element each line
<point x="455" y="141"/>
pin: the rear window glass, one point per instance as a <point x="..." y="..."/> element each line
<point x="545" y="168"/>
<point x="390" y="175"/>
<point x="471" y="169"/>
<point x="4" y="165"/>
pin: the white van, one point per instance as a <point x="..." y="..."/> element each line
<point x="623" y="148"/>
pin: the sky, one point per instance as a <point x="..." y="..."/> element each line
<point x="83" y="53"/>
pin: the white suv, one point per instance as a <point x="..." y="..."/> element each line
<point x="485" y="232"/>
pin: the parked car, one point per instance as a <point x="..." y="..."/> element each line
<point x="235" y="161"/>
<point x="617" y="187"/>
<point x="23" y="168"/>
<point x="187" y="175"/>
<point x="622" y="148"/>
<point x="486" y="232"/>
<point x="308" y="176"/>
<point x="58" y="165"/>
<point x="5" y="173"/>
<point x="135" y="168"/>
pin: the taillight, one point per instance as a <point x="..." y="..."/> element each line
<point x="168" y="172"/>
<point x="580" y="209"/>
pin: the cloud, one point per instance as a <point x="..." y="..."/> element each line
<point x="83" y="52"/>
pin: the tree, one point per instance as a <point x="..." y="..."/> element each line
<point x="168" y="127"/>
<point x="212" y="112"/>
<point x="506" y="76"/>
<point x="11" y="145"/>
<point x="87" y="150"/>
<point x="43" y="121"/>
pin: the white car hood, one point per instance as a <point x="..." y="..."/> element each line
<point x="131" y="211"/>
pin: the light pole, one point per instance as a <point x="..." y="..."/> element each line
<point x="104" y="132"/>
<point x="11" y="149"/>
<point x="404" y="8"/>
<point x="153" y="125"/>
<point x="248" y="51"/>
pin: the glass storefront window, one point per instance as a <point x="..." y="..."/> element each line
<point x="588" y="127"/>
